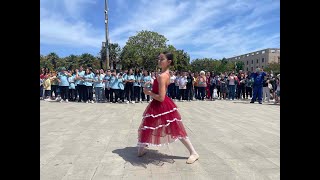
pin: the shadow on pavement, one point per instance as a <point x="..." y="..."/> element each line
<point x="129" y="154"/>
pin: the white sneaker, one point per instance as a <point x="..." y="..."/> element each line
<point x="61" y="101"/>
<point x="133" y="102"/>
<point x="127" y="102"/>
<point x="92" y="102"/>
<point x="67" y="100"/>
<point x="87" y="102"/>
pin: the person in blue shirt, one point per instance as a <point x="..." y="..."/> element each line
<point x="98" y="84"/>
<point x="88" y="80"/>
<point x="124" y="76"/>
<point x="129" y="86"/>
<point x="137" y="85"/>
<point x="80" y="84"/>
<point x="106" y="80"/>
<point x="146" y="78"/>
<point x="121" y="86"/>
<point x="114" y="87"/>
<point x="72" y="86"/>
<point x="64" y="84"/>
<point x="258" y="78"/>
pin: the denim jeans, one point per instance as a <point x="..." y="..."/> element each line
<point x="231" y="91"/>
<point x="98" y="91"/>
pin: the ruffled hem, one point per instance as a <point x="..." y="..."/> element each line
<point x="154" y="128"/>
<point x="161" y="114"/>
<point x="140" y="144"/>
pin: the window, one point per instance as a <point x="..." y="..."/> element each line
<point x="251" y="69"/>
<point x="262" y="59"/>
<point x="256" y="66"/>
<point x="257" y="60"/>
<point x="247" y="69"/>
<point x="263" y="52"/>
<point x="252" y="62"/>
<point x="247" y="62"/>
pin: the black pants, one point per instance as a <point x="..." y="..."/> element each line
<point x="218" y="91"/>
<point x="189" y="93"/>
<point x="107" y="93"/>
<point x="171" y="90"/>
<point x="241" y="89"/>
<point x="72" y="93"/>
<point x="177" y="90"/>
<point x="89" y="93"/>
<point x="129" y="91"/>
<point x="143" y="96"/>
<point x="47" y="93"/>
<point x="54" y="90"/>
<point x="64" y="92"/>
<point x="121" y="95"/>
<point x="116" y="94"/>
<point x="196" y="91"/>
<point x="248" y="91"/>
<point x="182" y="94"/>
<point x="82" y="93"/>
<point x="85" y="94"/>
<point x="201" y="93"/>
<point x="137" y="93"/>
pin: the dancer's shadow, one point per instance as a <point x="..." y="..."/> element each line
<point x="129" y="154"/>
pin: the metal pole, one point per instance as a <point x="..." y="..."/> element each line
<point x="107" y="33"/>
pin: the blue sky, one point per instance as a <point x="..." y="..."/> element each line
<point x="203" y="28"/>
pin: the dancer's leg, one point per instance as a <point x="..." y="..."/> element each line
<point x="193" y="154"/>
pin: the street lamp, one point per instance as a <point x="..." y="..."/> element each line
<point x="107" y="32"/>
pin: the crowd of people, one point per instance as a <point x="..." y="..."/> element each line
<point x="114" y="86"/>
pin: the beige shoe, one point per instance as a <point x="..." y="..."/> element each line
<point x="140" y="154"/>
<point x="141" y="151"/>
<point x="192" y="158"/>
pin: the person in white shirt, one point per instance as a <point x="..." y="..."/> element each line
<point x="183" y="86"/>
<point x="176" y="84"/>
<point x="171" y="88"/>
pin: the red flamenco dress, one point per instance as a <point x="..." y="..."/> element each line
<point x="161" y="123"/>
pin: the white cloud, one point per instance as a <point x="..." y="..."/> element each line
<point x="58" y="27"/>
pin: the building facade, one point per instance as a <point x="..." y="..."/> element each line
<point x="258" y="59"/>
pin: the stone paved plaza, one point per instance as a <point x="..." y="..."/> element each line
<point x="235" y="140"/>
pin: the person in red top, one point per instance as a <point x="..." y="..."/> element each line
<point x="161" y="123"/>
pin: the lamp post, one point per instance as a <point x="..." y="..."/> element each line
<point x="107" y="33"/>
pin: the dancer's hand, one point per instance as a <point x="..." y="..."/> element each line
<point x="146" y="90"/>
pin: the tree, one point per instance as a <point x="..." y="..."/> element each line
<point x="204" y="64"/>
<point x="72" y="62"/>
<point x="88" y="60"/>
<point x="114" y="54"/>
<point x="182" y="62"/>
<point x="239" y="66"/>
<point x="142" y="49"/>
<point x="274" y="66"/>
<point x="53" y="58"/>
<point x="102" y="54"/>
<point x="44" y="62"/>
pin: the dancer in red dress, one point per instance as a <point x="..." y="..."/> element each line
<point x="161" y="123"/>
